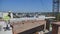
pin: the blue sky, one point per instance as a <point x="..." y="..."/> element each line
<point x="26" y="5"/>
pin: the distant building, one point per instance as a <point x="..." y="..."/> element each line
<point x="1" y="15"/>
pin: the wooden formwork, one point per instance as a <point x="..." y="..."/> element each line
<point x="28" y="27"/>
<point x="56" y="28"/>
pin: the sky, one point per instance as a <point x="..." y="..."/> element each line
<point x="26" y="5"/>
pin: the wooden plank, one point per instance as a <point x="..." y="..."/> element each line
<point x="17" y="28"/>
<point x="56" y="28"/>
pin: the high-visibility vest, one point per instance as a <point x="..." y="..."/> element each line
<point x="6" y="18"/>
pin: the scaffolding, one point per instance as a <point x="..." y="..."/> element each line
<point x="55" y="7"/>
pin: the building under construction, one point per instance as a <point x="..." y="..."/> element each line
<point x="56" y="7"/>
<point x="37" y="25"/>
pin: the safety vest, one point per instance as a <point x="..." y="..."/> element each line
<point x="6" y="18"/>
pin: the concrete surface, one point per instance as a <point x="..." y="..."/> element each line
<point x="6" y="32"/>
<point x="3" y="24"/>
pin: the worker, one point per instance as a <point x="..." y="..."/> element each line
<point x="6" y="19"/>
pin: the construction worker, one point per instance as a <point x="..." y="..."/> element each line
<point x="6" y="19"/>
